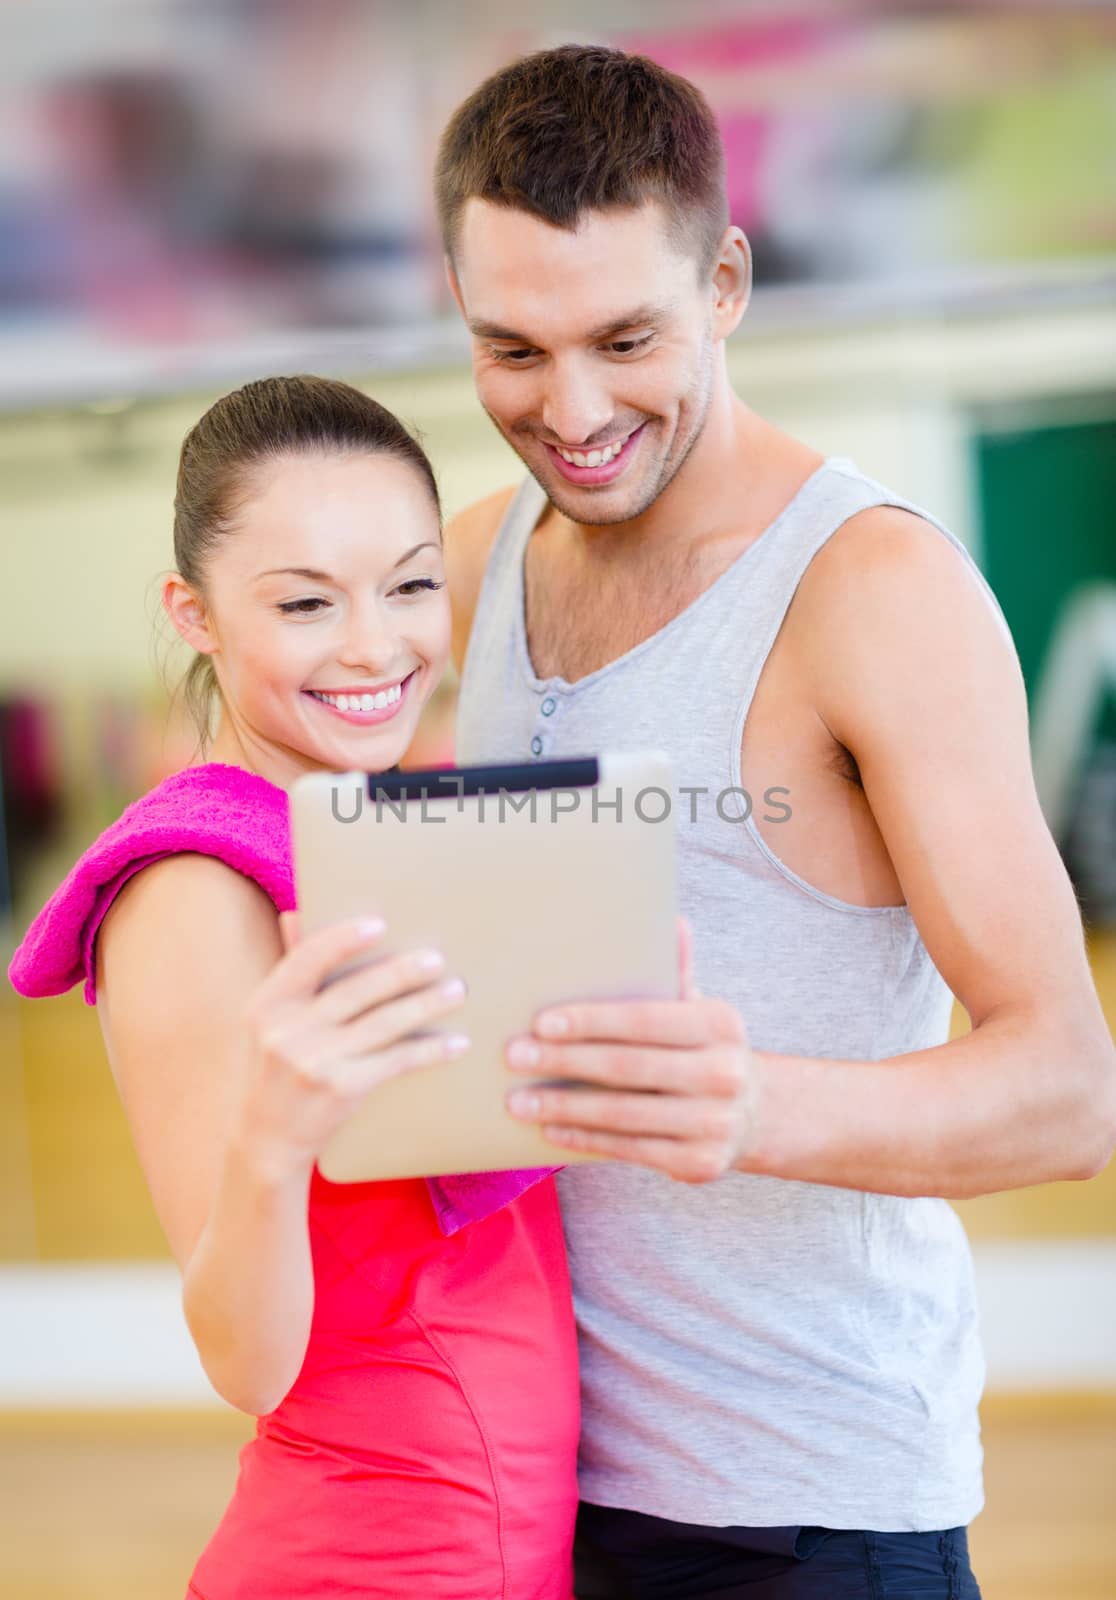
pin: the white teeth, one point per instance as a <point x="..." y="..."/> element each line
<point x="595" y="458"/>
<point x="362" y="702"/>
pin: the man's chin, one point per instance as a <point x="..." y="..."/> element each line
<point x="594" y="508"/>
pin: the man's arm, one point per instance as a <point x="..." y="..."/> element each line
<point x="468" y="540"/>
<point x="914" y="674"/>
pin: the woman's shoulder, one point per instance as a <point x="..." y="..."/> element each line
<point x="183" y="929"/>
<point x="213" y="809"/>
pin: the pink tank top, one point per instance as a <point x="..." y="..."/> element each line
<point x="429" y="1444"/>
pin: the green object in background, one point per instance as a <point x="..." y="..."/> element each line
<point x="1048" y="523"/>
<point x="1048" y="510"/>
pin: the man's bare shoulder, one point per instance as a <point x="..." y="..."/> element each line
<point x="886" y="554"/>
<point x="469" y="538"/>
<point x="890" y="598"/>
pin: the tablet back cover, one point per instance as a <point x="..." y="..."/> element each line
<point x="534" y="897"/>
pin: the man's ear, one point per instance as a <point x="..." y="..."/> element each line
<point x="732" y="282"/>
<point x="188" y="615"/>
<point x="454" y="286"/>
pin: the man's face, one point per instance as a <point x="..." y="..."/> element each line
<point x="592" y="350"/>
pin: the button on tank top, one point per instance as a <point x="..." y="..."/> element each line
<point x="757" y="1351"/>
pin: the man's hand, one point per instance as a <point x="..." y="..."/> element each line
<point x="677" y="1081"/>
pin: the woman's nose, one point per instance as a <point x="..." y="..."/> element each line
<point x="369" y="643"/>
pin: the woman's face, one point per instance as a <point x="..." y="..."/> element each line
<point x="328" y="666"/>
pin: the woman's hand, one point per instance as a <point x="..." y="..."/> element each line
<point x="316" y="1052"/>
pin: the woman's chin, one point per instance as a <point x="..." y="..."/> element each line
<point x="370" y="755"/>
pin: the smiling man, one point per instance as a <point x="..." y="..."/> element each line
<point x="779" y="1345"/>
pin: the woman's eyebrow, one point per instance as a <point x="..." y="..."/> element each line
<point x="316" y="575"/>
<point x="427" y="544"/>
<point x="313" y="573"/>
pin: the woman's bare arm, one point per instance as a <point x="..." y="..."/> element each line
<point x="179" y="953"/>
<point x="237" y="1063"/>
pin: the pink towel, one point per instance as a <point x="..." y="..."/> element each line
<point x="239" y="817"/>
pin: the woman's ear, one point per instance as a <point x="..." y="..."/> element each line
<point x="188" y="615"/>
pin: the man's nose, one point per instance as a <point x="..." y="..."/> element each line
<point x="575" y="408"/>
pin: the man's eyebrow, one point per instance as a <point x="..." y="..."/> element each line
<point x="639" y="317"/>
<point x="317" y="576"/>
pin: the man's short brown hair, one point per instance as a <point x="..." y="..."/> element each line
<point x="582" y="128"/>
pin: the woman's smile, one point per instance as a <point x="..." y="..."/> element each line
<point x="364" y="707"/>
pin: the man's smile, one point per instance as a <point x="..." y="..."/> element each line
<point x="602" y="465"/>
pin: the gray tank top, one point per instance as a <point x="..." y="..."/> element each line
<point x="755" y="1351"/>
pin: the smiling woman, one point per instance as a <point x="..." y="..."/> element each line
<point x="274" y="477"/>
<point x="412" y="1364"/>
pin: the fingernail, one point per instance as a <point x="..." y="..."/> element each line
<point x="457" y="1044"/>
<point x="524" y="1103"/>
<point x="430" y="960"/>
<point x="453" y="990"/>
<point x="551" y="1024"/>
<point x="523" y="1053"/>
<point x="370" y="927"/>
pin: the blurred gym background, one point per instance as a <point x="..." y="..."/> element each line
<point x="192" y="195"/>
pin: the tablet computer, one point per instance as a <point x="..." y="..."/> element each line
<point x="540" y="883"/>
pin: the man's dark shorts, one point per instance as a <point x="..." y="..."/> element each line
<point x="624" y="1555"/>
